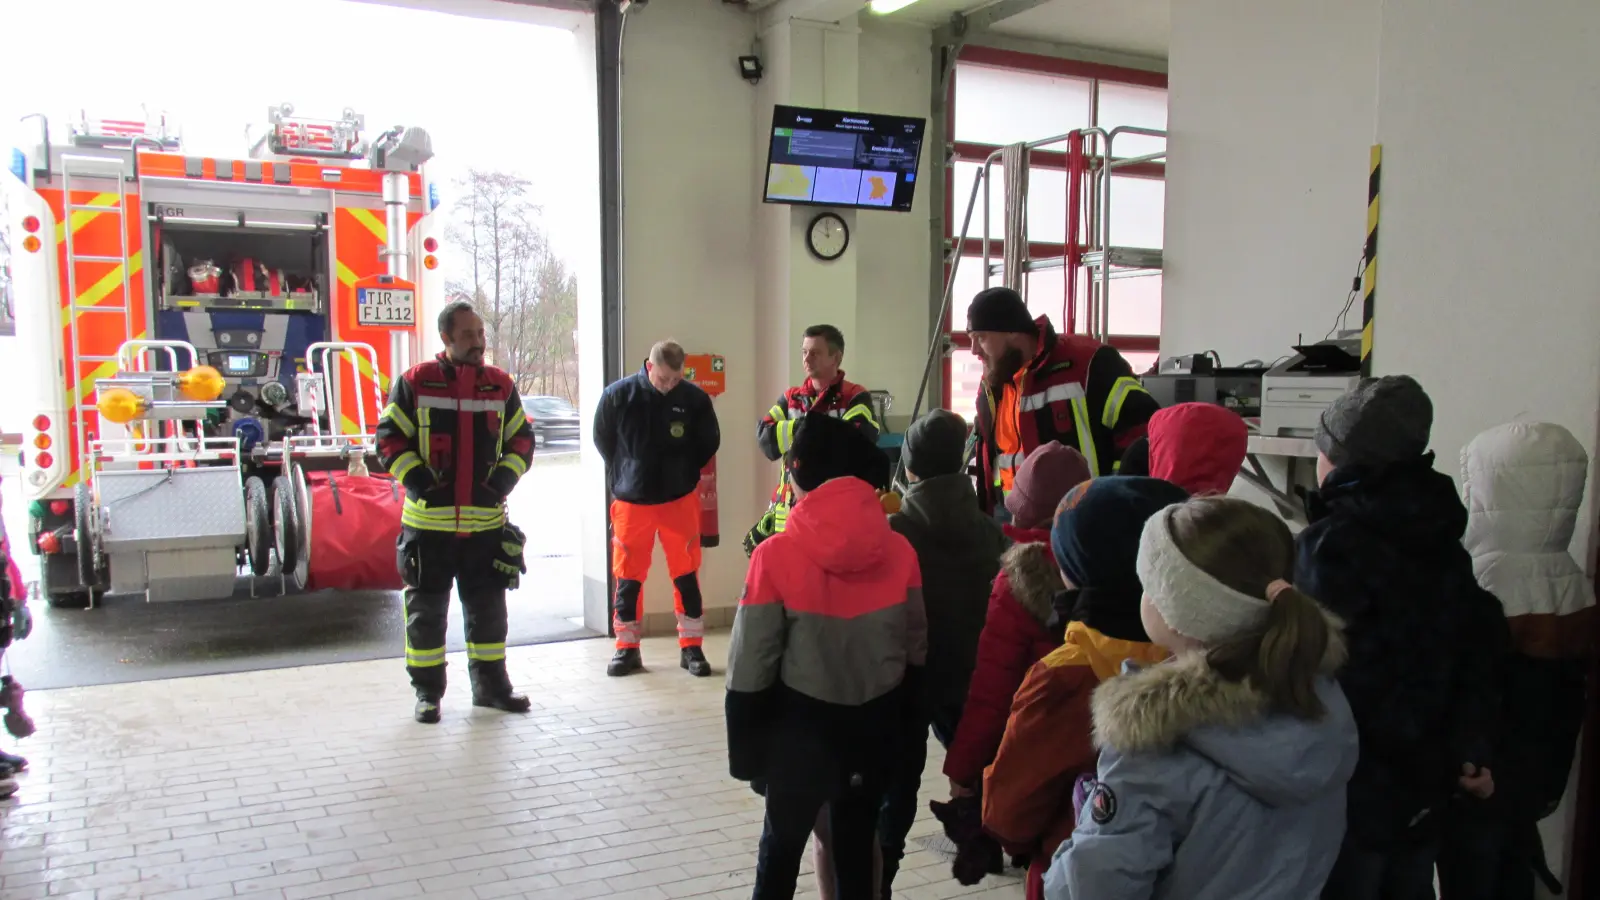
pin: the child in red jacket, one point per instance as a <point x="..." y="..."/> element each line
<point x="1015" y="633"/>
<point x="15" y="624"/>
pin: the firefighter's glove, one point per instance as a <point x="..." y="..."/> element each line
<point x="502" y="481"/>
<point x="762" y="530"/>
<point x="420" y="480"/>
<point x="509" y="561"/>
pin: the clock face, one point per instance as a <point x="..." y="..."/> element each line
<point x="828" y="237"/>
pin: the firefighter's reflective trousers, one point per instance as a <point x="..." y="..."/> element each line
<point x="634" y="527"/>
<point x="430" y="563"/>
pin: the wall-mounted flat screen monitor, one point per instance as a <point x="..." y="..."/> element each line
<point x="825" y="157"/>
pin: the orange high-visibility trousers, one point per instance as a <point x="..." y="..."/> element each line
<point x="634" y="527"/>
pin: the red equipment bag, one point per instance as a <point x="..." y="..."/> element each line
<point x="355" y="522"/>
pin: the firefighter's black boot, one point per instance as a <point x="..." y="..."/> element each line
<point x="625" y="662"/>
<point x="491" y="687"/>
<point x="508" y="701"/>
<point x="694" y="659"/>
<point x="427" y="711"/>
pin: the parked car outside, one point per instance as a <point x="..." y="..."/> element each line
<point x="553" y="418"/>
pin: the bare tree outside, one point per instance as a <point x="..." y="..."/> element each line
<point x="527" y="295"/>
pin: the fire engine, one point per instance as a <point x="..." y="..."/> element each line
<point x="212" y="340"/>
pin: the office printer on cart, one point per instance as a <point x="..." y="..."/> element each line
<point x="1295" y="392"/>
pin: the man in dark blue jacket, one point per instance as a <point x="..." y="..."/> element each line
<point x="656" y="432"/>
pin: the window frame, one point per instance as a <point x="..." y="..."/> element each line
<point x="974" y="152"/>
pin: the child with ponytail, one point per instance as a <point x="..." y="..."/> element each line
<point x="1222" y="771"/>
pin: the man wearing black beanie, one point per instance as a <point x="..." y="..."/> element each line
<point x="1039" y="387"/>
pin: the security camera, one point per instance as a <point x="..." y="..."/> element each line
<point x="626" y="5"/>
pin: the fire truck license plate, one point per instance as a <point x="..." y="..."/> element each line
<point x="386" y="306"/>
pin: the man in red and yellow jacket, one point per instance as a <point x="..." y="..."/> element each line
<point x="455" y="435"/>
<point x="1039" y="387"/>
<point x="825" y="390"/>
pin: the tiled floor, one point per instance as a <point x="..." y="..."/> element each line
<point x="301" y="783"/>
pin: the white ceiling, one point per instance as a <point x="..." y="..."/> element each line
<point x="1140" y="27"/>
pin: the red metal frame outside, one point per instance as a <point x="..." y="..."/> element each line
<point x="968" y="151"/>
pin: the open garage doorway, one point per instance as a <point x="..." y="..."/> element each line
<point x="505" y="90"/>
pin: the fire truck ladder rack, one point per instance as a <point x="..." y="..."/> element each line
<point x="98" y="168"/>
<point x="319" y="393"/>
<point x="1088" y="233"/>
<point x="1089" y="175"/>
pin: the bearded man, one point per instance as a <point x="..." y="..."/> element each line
<point x="1039" y="387"/>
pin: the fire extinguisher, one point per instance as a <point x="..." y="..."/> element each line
<point x="706" y="371"/>
<point x="708" y="505"/>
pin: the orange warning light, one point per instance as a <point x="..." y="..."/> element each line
<point x="120" y="405"/>
<point x="201" y="384"/>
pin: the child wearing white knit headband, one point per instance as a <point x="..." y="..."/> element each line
<point x="1223" y="770"/>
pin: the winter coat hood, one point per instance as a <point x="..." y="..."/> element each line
<point x="1197" y="446"/>
<point x="1279" y="760"/>
<point x="1034" y="578"/>
<point x="841" y="526"/>
<point x="1522" y="484"/>
<point x="946" y="509"/>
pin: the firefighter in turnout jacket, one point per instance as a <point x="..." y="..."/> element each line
<point x="825" y="391"/>
<point x="454" y="433"/>
<point x="1039" y="387"/>
<point x="656" y="432"/>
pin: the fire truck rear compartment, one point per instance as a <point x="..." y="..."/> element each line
<point x="296" y="261"/>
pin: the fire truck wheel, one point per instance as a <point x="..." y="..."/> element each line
<point x="84" y="537"/>
<point x="257" y="525"/>
<point x="285" y="523"/>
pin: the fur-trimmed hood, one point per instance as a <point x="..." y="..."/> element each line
<point x="1278" y="759"/>
<point x="1031" y="571"/>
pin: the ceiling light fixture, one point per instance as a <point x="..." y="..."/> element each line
<point x="884" y="7"/>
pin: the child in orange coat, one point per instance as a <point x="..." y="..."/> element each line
<point x="1048" y="743"/>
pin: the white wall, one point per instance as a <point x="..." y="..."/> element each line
<point x="1271" y="110"/>
<point x="1489" y="284"/>
<point x="1488" y="276"/>
<point x="706" y="262"/>
<point x="689" y="181"/>
<point x="890" y="345"/>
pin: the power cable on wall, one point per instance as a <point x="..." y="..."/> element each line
<point x="1343" y="319"/>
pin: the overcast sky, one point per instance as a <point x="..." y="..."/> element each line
<point x="489" y="92"/>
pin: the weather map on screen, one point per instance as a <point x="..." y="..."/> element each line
<point x="822" y="157"/>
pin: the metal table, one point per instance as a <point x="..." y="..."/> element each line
<point x="1292" y="450"/>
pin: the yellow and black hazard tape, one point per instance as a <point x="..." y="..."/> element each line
<point x="1369" y="270"/>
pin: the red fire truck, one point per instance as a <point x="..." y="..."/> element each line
<point x="211" y="342"/>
